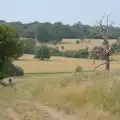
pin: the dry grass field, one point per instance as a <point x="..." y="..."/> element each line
<point x="73" y="96"/>
<point x="61" y="64"/>
<point x="85" y="96"/>
<point x="70" y="44"/>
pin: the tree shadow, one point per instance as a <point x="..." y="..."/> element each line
<point x="23" y="60"/>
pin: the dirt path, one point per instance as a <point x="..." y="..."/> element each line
<point x="49" y="111"/>
<point x="12" y="114"/>
<point x="53" y="113"/>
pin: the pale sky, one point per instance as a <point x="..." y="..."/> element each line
<point x="66" y="11"/>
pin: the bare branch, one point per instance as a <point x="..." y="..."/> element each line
<point x="93" y="62"/>
<point x="103" y="17"/>
<point x="116" y="42"/>
<point x="98" y="66"/>
<point x="99" y="23"/>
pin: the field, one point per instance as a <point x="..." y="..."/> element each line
<point x="70" y="44"/>
<point x="91" y="96"/>
<point x="52" y="90"/>
<point x="61" y="64"/>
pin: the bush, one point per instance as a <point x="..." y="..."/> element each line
<point x="10" y="70"/>
<point x="83" y="53"/>
<point x="78" y="69"/>
<point x="55" y="52"/>
<point x="77" y="42"/>
<point x="43" y="52"/>
<point x="62" y="47"/>
<point x="69" y="54"/>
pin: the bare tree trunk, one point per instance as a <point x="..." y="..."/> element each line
<point x="107" y="65"/>
<point x="105" y="50"/>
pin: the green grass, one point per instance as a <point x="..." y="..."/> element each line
<point x="48" y="73"/>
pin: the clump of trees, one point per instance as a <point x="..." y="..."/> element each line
<point x="43" y="52"/>
<point x="82" y="53"/>
<point x="10" y="48"/>
<point x="29" y="45"/>
<point x="55" y="52"/>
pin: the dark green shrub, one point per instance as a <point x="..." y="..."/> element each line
<point x="78" y="69"/>
<point x="83" y="53"/>
<point x="10" y="70"/>
<point x="77" y="41"/>
<point x="43" y="52"/>
<point x="62" y="47"/>
<point x="69" y="54"/>
<point x="55" y="52"/>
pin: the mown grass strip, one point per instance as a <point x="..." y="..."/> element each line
<point x="48" y="73"/>
<point x="54" y="73"/>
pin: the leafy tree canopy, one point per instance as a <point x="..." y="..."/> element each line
<point x="10" y="45"/>
<point x="43" y="52"/>
<point x="46" y="32"/>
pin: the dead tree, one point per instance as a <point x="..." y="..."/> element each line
<point x="105" y="50"/>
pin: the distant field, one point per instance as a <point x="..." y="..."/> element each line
<point x="60" y="64"/>
<point x="73" y="41"/>
<point x="70" y="44"/>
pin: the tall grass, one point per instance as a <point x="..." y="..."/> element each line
<point x="99" y="90"/>
<point x="90" y="93"/>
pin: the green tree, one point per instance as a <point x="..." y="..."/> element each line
<point x="43" y="35"/>
<point x="29" y="45"/>
<point x="57" y="30"/>
<point x="43" y="53"/>
<point x="9" y="46"/>
<point x="46" y="32"/>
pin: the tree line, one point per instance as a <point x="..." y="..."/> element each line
<point x="46" y="32"/>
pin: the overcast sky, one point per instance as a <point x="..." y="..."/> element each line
<point x="66" y="11"/>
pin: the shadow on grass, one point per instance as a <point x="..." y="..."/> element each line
<point x="48" y="73"/>
<point x="54" y="73"/>
<point x="23" y="60"/>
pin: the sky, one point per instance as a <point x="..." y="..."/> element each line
<point x="66" y="11"/>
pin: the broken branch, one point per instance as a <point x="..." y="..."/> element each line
<point x="98" y="66"/>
